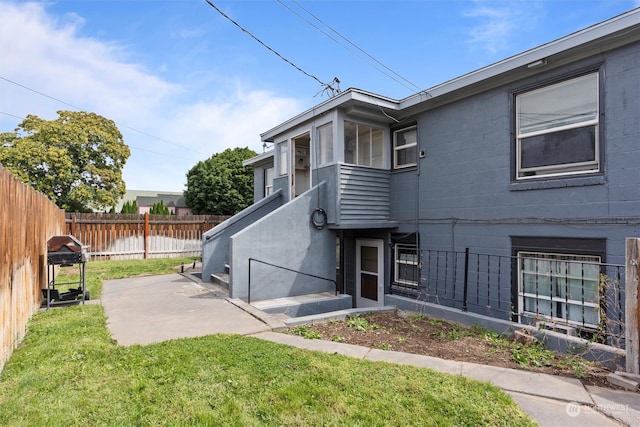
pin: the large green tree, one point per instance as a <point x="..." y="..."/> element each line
<point x="220" y="185"/>
<point x="76" y="160"/>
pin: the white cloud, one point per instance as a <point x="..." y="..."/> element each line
<point x="498" y="21"/>
<point x="45" y="53"/>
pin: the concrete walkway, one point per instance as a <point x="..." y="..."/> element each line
<point x="157" y="308"/>
<point x="150" y="309"/>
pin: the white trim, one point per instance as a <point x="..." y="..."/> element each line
<point x="575" y="168"/>
<point x="379" y="245"/>
<point x="396" y="149"/>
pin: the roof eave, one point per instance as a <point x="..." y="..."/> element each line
<point x="351" y="95"/>
<point x="616" y="27"/>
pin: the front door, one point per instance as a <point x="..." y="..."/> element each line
<point x="369" y="273"/>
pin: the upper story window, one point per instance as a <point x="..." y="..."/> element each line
<point x="324" y="135"/>
<point x="363" y="145"/>
<point x="268" y="181"/>
<point x="405" y="144"/>
<point x="557" y="129"/>
<point x="283" y="163"/>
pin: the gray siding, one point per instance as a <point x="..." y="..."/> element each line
<point x="364" y="194"/>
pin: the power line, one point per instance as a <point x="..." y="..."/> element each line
<point x="83" y="110"/>
<point x="128" y="145"/>
<point x="412" y="86"/>
<point x="327" y="87"/>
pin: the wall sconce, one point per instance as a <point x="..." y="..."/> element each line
<point x="539" y="63"/>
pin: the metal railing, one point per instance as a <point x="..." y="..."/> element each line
<point x="492" y="285"/>
<point x="335" y="284"/>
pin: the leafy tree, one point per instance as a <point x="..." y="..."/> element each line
<point x="220" y="185"/>
<point x="159" y="208"/>
<point x="129" y="207"/>
<point x="76" y="160"/>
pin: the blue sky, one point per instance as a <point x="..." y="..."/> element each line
<point x="183" y="83"/>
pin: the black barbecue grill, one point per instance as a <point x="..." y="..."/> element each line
<point x="65" y="251"/>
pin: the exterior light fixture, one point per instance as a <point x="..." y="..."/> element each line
<point x="539" y="63"/>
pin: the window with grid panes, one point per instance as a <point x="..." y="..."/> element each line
<point x="560" y="287"/>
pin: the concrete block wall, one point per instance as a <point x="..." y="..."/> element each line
<point x="285" y="238"/>
<point x="464" y="189"/>
<point x="215" y="242"/>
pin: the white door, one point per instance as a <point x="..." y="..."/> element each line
<point x="369" y="273"/>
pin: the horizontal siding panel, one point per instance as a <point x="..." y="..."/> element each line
<point x="364" y="194"/>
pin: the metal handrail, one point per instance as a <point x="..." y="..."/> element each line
<point x="335" y="284"/>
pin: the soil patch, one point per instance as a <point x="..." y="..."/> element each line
<point x="411" y="333"/>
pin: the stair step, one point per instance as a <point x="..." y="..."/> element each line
<point x="304" y="305"/>
<point x="221" y="279"/>
<point x="334" y="315"/>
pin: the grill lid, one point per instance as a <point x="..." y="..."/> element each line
<point x="65" y="250"/>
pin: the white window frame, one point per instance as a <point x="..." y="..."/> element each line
<point x="566" y="120"/>
<point x="406" y="147"/>
<point x="399" y="261"/>
<point x="325" y="146"/>
<point x="269" y="175"/>
<point x="563" y="282"/>
<point x="283" y="158"/>
<point x="360" y="144"/>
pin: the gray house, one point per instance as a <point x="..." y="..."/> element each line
<point x="506" y="192"/>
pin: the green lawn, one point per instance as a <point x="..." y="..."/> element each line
<point x="69" y="372"/>
<point x="97" y="271"/>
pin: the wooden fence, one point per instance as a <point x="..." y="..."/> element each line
<point x="28" y="219"/>
<point x="118" y="236"/>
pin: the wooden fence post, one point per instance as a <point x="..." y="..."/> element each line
<point x="631" y="305"/>
<point x="147" y="232"/>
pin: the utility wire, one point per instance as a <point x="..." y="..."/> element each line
<point x="128" y="145"/>
<point x="411" y="86"/>
<point x="327" y="86"/>
<point x="83" y="110"/>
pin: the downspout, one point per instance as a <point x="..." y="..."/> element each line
<point x="342" y="261"/>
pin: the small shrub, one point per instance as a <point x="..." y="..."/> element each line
<point x="358" y="323"/>
<point x="306" y="332"/>
<point x="576" y="364"/>
<point x="532" y="355"/>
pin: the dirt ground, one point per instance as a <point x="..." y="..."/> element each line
<point x="399" y="331"/>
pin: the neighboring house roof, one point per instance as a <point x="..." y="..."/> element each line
<point x="132" y="195"/>
<point x="609" y="34"/>
<point x="169" y="200"/>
